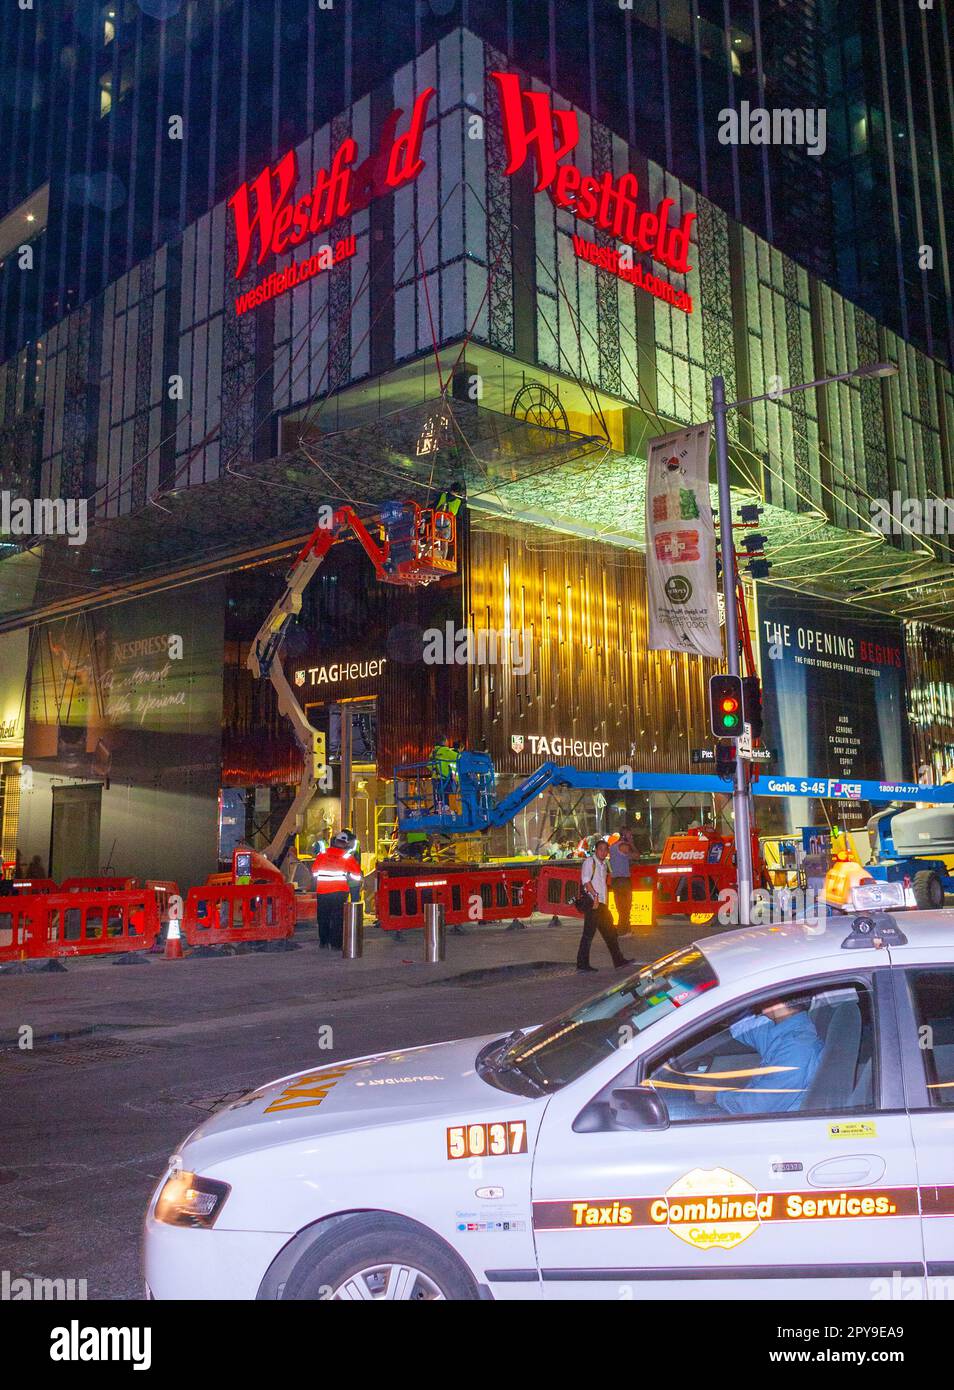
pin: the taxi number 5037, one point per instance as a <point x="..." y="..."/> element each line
<point x="487" y="1140"/>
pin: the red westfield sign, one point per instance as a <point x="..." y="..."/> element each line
<point x="269" y="219"/>
<point x="533" y="127"/>
<point x="265" y="205"/>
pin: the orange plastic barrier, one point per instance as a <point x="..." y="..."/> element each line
<point x="469" y="893"/>
<point x="559" y="884"/>
<point x="43" y="925"/>
<point x="97" y="885"/>
<point x="305" y="907"/>
<point x="220" y="914"/>
<point x="164" y="889"/>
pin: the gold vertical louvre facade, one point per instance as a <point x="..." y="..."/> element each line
<point x="588" y="674"/>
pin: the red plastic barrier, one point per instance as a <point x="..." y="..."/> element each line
<point x="306" y="905"/>
<point x="164" y="889"/>
<point x="98" y="885"/>
<point x="35" y="885"/>
<point x="559" y="884"/>
<point x="219" y="914"/>
<point x="469" y="893"/>
<point x="42" y="925"/>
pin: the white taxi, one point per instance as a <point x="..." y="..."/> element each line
<point x="766" y="1114"/>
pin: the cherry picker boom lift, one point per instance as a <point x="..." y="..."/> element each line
<point x="414" y="545"/>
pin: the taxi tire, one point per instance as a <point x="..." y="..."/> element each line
<point x="371" y="1237"/>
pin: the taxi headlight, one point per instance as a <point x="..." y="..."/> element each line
<point x="187" y="1200"/>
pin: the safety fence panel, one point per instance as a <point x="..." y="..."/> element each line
<point x="35" y="885"/>
<point x="48" y="925"/>
<point x="101" y="884"/>
<point x="559" y="884"/>
<point x="221" y="914"/>
<point x="473" y="894"/>
<point x="164" y="889"/>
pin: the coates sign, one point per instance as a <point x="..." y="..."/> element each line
<point x="532" y="126"/>
<point x="265" y="210"/>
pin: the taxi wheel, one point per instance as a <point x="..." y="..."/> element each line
<point x="378" y="1256"/>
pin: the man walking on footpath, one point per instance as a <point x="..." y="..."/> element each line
<point x="593" y="876"/>
<point x="622" y="853"/>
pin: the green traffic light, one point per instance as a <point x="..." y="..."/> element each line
<point x="730" y="720"/>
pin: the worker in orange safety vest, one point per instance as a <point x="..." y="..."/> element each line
<point x="337" y="875"/>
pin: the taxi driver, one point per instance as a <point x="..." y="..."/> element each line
<point x="789" y="1050"/>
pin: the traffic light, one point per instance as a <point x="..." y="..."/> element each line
<point x="752" y="704"/>
<point x="725" y="761"/>
<point x="759" y="568"/>
<point x="725" y="706"/>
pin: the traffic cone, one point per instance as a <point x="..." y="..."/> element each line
<point x="174" y="941"/>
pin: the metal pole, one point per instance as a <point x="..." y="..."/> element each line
<point x="435" y="936"/>
<point x="741" y="805"/>
<point x="352" y="936"/>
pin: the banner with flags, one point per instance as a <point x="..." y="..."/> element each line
<point x="680" y="545"/>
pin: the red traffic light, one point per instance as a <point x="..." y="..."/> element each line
<point x="725" y="706"/>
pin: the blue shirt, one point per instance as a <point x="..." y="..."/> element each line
<point x="792" y="1044"/>
<point x="619" y="861"/>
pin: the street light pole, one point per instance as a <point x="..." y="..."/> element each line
<point x="741" y="805"/>
<point x="741" y="799"/>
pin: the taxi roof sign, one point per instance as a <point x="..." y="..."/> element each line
<point x="878" y="930"/>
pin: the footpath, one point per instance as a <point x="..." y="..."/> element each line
<point x="112" y="995"/>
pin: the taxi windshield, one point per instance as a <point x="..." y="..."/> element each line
<point x="561" y="1051"/>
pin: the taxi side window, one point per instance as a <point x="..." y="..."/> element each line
<point x="810" y="1052"/>
<point x="932" y="995"/>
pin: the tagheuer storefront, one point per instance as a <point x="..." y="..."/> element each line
<point x="429" y="294"/>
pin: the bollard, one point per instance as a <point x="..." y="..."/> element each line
<point x="435" y="935"/>
<point x="352" y="936"/>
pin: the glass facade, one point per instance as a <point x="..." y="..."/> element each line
<point x="141" y="116"/>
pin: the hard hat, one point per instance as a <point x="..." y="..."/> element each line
<point x="343" y="840"/>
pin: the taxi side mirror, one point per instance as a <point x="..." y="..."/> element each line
<point x="639" y="1107"/>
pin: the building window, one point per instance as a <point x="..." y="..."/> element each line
<point x="25" y="223"/>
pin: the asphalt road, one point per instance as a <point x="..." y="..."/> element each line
<point x="125" y="1062"/>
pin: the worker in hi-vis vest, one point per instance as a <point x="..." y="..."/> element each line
<point x="446" y="782"/>
<point x="337" y="876"/>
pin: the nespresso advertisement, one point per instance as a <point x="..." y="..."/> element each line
<point x="129" y="692"/>
<point x="833" y="682"/>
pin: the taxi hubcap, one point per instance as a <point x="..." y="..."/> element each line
<point x="393" y="1281"/>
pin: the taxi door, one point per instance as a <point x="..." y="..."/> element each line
<point x="925" y="989"/>
<point x="795" y="1205"/>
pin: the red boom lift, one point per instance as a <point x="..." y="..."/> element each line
<point x="408" y="545"/>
